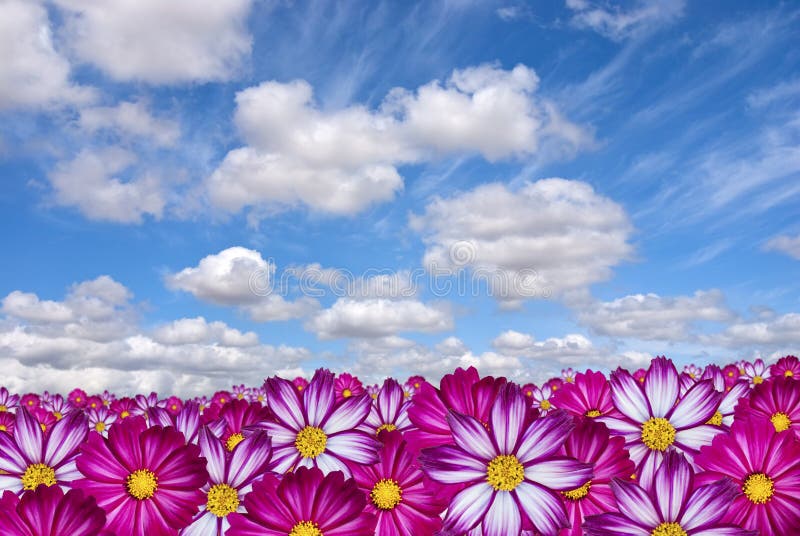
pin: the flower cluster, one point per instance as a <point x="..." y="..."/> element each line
<point x="654" y="452"/>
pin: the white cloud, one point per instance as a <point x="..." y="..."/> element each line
<point x="548" y="237"/>
<point x="91" y="183"/>
<point x="790" y="245"/>
<point x="379" y="318"/>
<point x="32" y="72"/>
<point x="569" y="349"/>
<point x="654" y="317"/>
<point x="130" y="119"/>
<point x="93" y="339"/>
<point x="240" y="277"/>
<point x="779" y="332"/>
<point x="159" y="42"/>
<point x="617" y="24"/>
<point x="345" y="160"/>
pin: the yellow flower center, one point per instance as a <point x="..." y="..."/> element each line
<point x="388" y="427"/>
<point x="780" y="421"/>
<point x="759" y="488"/>
<point x="43" y="426"/>
<point x="757" y="380"/>
<point x="668" y="529"/>
<point x="386" y="494"/>
<point x="505" y="473"/>
<point x="715" y="419"/>
<point x="100" y="426"/>
<point x="222" y="500"/>
<point x="347" y="393"/>
<point x="578" y="493"/>
<point x="554" y="387"/>
<point x="37" y="474"/>
<point x="545" y="405"/>
<point x="3" y="409"/>
<point x="233" y="440"/>
<point x="788" y="374"/>
<point x="311" y="442"/>
<point x="240" y="396"/>
<point x="593" y="413"/>
<point x="141" y="484"/>
<point x="125" y="413"/>
<point x="306" y="528"/>
<point x="658" y="434"/>
<point x="374" y="396"/>
<point x="3" y="428"/>
<point x="58" y="415"/>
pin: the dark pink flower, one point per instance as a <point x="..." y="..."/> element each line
<point x="589" y="395"/>
<point x="347" y="385"/>
<point x="788" y="367"/>
<point x="48" y="511"/>
<point x="776" y="401"/>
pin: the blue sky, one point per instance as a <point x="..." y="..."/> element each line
<point x="642" y="159"/>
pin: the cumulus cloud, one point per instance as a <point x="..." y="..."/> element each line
<point x="94" y="183"/>
<point x="654" y="317"/>
<point x="379" y="318"/>
<point x="159" y="42"/>
<point x="547" y="237"/>
<point x="617" y="24"/>
<point x="93" y="339"/>
<point x="779" y="332"/>
<point x="790" y="245"/>
<point x="32" y="72"/>
<point x="345" y="160"/>
<point x="242" y="278"/>
<point x="130" y="119"/>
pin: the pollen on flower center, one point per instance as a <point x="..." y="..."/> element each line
<point x="100" y="426"/>
<point x="668" y="529"/>
<point x="222" y="500"/>
<point x="311" y="442"/>
<point x="505" y="473"/>
<point x="757" y="380"/>
<point x="233" y="440"/>
<point x="715" y="419"/>
<point x="36" y="474"/>
<point x="658" y="434"/>
<point x="578" y="493"/>
<point x="141" y="484"/>
<point x="780" y="421"/>
<point x="388" y="427"/>
<point x="386" y="494"/>
<point x="347" y="393"/>
<point x="788" y="374"/>
<point x="306" y="528"/>
<point x="592" y="413"/>
<point x="545" y="404"/>
<point x="759" y="488"/>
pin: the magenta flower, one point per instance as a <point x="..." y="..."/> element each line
<point x="7" y="422"/>
<point x="311" y="430"/>
<point x="788" y="367"/>
<point x="589" y="395"/>
<point x="397" y="493"/>
<point x="654" y="421"/>
<point x="390" y="410"/>
<point x="173" y="405"/>
<point x="7" y="400"/>
<point x="100" y="420"/>
<point x="125" y="407"/>
<point x="591" y="443"/>
<point x="29" y="458"/>
<point x="235" y="417"/>
<point x="541" y="398"/>
<point x="672" y="506"/>
<point x="756" y="372"/>
<point x="300" y="383"/>
<point x="776" y="401"/>
<point x="464" y="391"/>
<point x="347" y="385"/>
<point x="231" y="475"/>
<point x="765" y="467"/>
<point x="48" y="511"/>
<point x="510" y="472"/>
<point x="304" y="503"/>
<point x="30" y="401"/>
<point x="77" y="397"/>
<point x="146" y="479"/>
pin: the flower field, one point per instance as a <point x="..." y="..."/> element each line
<point x="653" y="452"/>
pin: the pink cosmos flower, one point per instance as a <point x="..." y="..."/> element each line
<point x="510" y="472"/>
<point x="29" y="458"/>
<point x="788" y="366"/>
<point x="235" y="416"/>
<point x="146" y="479"/>
<point x="7" y="400"/>
<point x="765" y="467"/>
<point x="672" y="506"/>
<point x="7" y="422"/>
<point x="311" y="430"/>
<point x="776" y="401"/>
<point x="542" y="398"/>
<point x="173" y="405"/>
<point x="231" y="476"/>
<point x="304" y="503"/>
<point x="48" y="511"/>
<point x="756" y="372"/>
<point x="390" y="410"/>
<point x="568" y="375"/>
<point x="347" y="385"/>
<point x="404" y="503"/>
<point x="589" y="395"/>
<point x="30" y="401"/>
<point x="591" y="443"/>
<point x="299" y="383"/>
<point x="77" y="397"/>
<point x="654" y="420"/>
<point x="464" y="391"/>
<point x="100" y="420"/>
